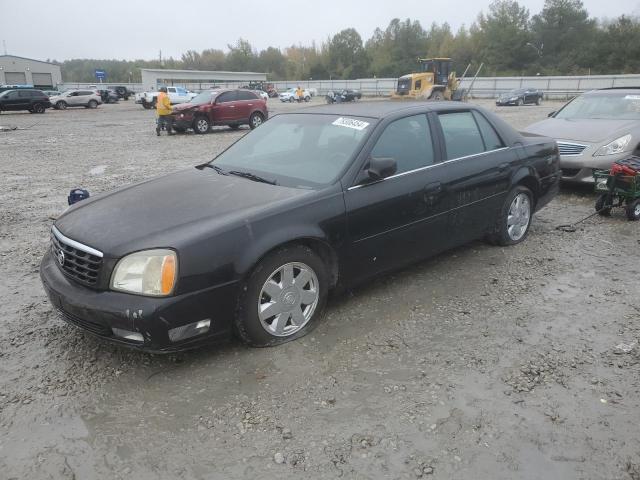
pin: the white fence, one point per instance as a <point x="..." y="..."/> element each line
<point x="483" y="87"/>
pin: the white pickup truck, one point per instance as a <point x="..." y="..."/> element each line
<point x="176" y="95"/>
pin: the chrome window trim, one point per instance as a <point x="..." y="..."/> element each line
<point x="74" y="244"/>
<point x="428" y="167"/>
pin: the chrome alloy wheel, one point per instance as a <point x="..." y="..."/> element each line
<point x="288" y="299"/>
<point x="519" y="216"/>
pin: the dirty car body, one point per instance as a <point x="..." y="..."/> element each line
<point x="593" y="131"/>
<point x="356" y="189"/>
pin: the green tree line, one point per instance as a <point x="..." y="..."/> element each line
<point x="562" y="39"/>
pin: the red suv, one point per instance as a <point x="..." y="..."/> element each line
<point x="220" y="107"/>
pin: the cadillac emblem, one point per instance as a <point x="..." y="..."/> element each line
<point x="60" y="257"/>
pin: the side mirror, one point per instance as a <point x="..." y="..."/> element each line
<point x="551" y="114"/>
<point x="381" y="167"/>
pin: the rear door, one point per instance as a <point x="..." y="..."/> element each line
<point x="245" y="104"/>
<point x="397" y="220"/>
<point x="477" y="173"/>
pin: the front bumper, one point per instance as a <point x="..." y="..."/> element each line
<point x="579" y="168"/>
<point x="504" y="103"/>
<point x="182" y="122"/>
<point x="100" y="312"/>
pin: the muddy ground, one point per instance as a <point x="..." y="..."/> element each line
<point x="482" y="363"/>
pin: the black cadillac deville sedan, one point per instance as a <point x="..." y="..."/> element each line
<point x="312" y="201"/>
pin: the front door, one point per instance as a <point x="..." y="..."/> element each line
<point x="401" y="218"/>
<point x="225" y="108"/>
<point x="12" y="100"/>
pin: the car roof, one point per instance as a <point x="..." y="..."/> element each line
<point x="615" y="91"/>
<point x="384" y="108"/>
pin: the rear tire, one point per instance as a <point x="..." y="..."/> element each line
<point x="538" y="100"/>
<point x="255" y="120"/>
<point x="602" y="200"/>
<point x="520" y="102"/>
<point x="633" y="210"/>
<point x="92" y="104"/>
<point x="201" y="125"/>
<point x="146" y="106"/>
<point x="293" y="283"/>
<point x="514" y="219"/>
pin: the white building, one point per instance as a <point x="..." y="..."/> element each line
<point x="197" y="79"/>
<point x="26" y="71"/>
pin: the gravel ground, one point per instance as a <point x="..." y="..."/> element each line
<point x="483" y="362"/>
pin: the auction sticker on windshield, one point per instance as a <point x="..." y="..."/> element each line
<point x="351" y="123"/>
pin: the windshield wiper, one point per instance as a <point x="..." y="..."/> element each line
<point x="215" y="167"/>
<point x="251" y="176"/>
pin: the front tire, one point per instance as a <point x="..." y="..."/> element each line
<point x="201" y="125"/>
<point x="61" y="105"/>
<point x="38" y="108"/>
<point x="633" y="210"/>
<point x="92" y="104"/>
<point x="520" y="102"/>
<point x="283" y="298"/>
<point x="255" y="120"/>
<point x="514" y="220"/>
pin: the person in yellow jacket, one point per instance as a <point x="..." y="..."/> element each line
<point x="299" y="94"/>
<point x="164" y="110"/>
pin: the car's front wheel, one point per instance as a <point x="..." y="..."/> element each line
<point x="38" y="108"/>
<point x="283" y="298"/>
<point x="61" y="105"/>
<point x="92" y="104"/>
<point x="515" y="217"/>
<point x="256" y="120"/>
<point x="201" y="125"/>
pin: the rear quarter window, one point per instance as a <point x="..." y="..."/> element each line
<point x="461" y="134"/>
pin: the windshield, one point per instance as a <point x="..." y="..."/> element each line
<point x="204" y="97"/>
<point x="621" y="106"/>
<point x="298" y="150"/>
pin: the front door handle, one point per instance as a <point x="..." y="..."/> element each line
<point x="503" y="167"/>
<point x="432" y="193"/>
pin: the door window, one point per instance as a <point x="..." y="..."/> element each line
<point x="461" y="134"/>
<point x="24" y="94"/>
<point x="408" y="140"/>
<point x="226" y="97"/>
<point x="171" y="90"/>
<point x="245" y="95"/>
<point x="11" y="95"/>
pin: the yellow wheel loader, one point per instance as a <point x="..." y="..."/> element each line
<point x="434" y="81"/>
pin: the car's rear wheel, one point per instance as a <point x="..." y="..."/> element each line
<point x="514" y="220"/>
<point x="38" y="108"/>
<point x="283" y="298"/>
<point x="61" y="105"/>
<point x="146" y="105"/>
<point x="92" y="104"/>
<point x="256" y="120"/>
<point x="602" y="200"/>
<point x="633" y="210"/>
<point x="538" y="100"/>
<point x="201" y="125"/>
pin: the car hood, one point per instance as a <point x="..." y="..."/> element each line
<point x="169" y="210"/>
<point x="583" y="130"/>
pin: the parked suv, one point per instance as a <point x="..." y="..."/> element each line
<point x="76" y="98"/>
<point x="220" y="107"/>
<point x="35" y="101"/>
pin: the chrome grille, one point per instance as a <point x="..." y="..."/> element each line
<point x="76" y="260"/>
<point x="570" y="148"/>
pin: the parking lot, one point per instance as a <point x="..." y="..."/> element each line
<point x="484" y="362"/>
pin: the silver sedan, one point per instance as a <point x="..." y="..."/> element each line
<point x="594" y="130"/>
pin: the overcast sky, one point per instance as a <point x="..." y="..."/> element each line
<point x="131" y="30"/>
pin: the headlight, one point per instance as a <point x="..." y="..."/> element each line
<point x="617" y="146"/>
<point x="150" y="272"/>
